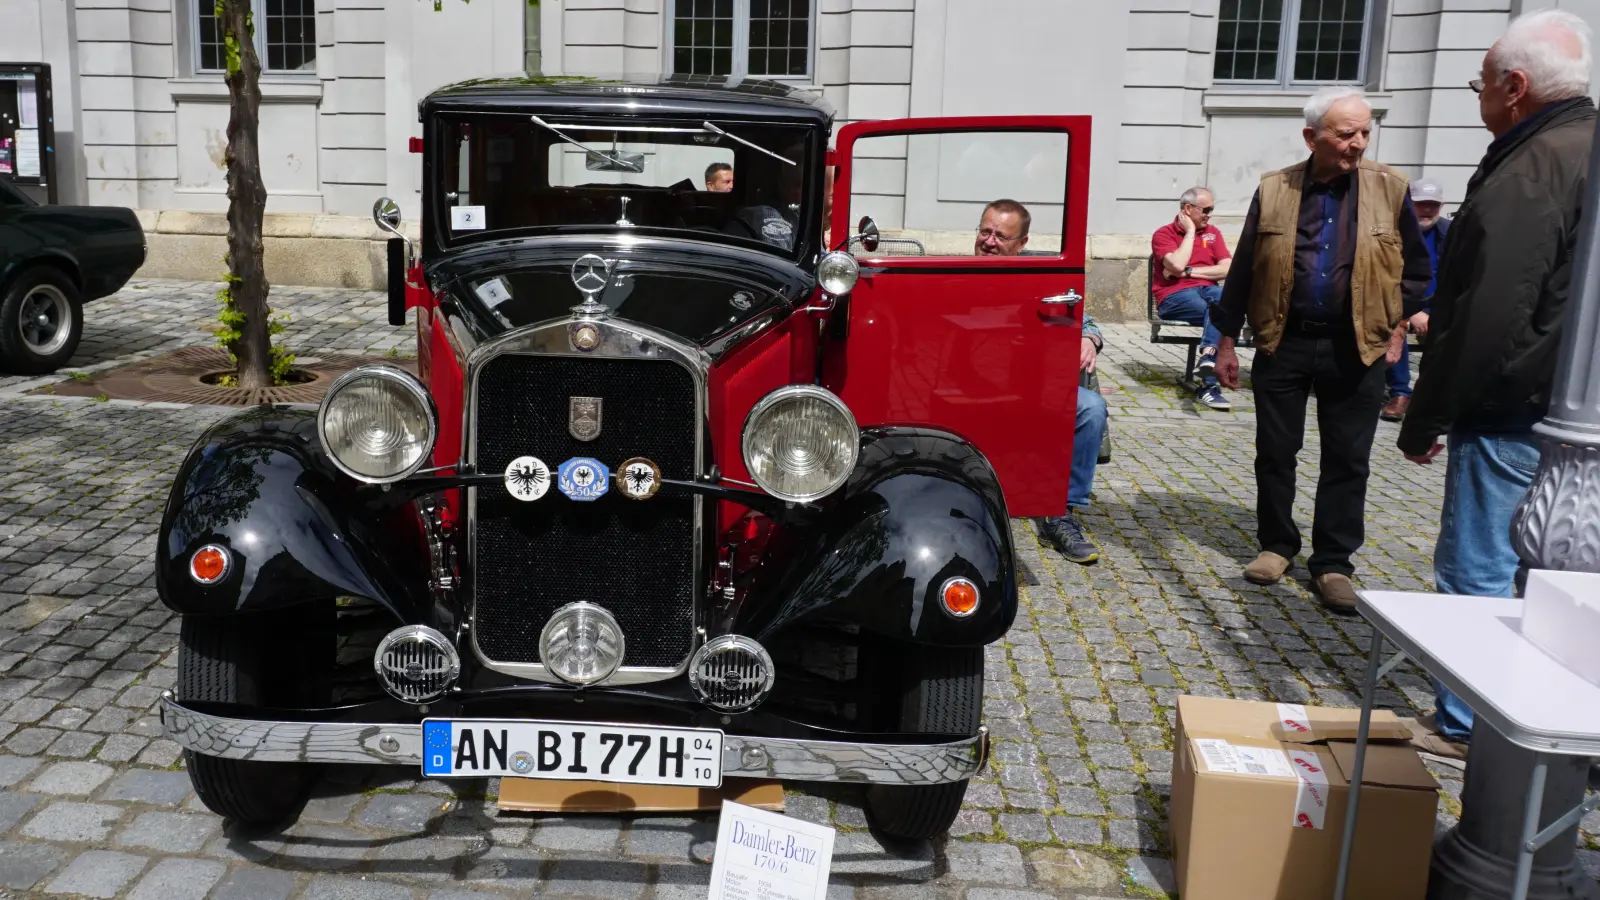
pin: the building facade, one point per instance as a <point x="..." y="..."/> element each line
<point x="1181" y="92"/>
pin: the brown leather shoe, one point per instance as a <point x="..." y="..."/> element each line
<point x="1395" y="409"/>
<point x="1267" y="568"/>
<point x="1335" y="591"/>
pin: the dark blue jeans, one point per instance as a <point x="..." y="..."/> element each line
<point x="1087" y="433"/>
<point x="1400" y="375"/>
<point x="1193" y="305"/>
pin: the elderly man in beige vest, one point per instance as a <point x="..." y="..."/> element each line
<point x="1330" y="260"/>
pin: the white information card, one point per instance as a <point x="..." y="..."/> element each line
<point x="765" y="855"/>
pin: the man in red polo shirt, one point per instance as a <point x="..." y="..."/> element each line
<point x="1191" y="258"/>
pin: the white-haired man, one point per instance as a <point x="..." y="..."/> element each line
<point x="1330" y="260"/>
<point x="1499" y="310"/>
<point x="1193" y="258"/>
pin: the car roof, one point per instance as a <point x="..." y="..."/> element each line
<point x="668" y="95"/>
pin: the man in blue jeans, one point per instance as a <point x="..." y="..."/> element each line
<point x="1003" y="231"/>
<point x="1427" y="198"/>
<point x="1498" y="314"/>
<point x="1191" y="259"/>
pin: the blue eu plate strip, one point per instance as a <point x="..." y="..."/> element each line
<point x="437" y="744"/>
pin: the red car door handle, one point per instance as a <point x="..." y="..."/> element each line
<point x="1057" y="310"/>
<point x="1070" y="298"/>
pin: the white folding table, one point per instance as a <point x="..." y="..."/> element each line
<point x="1474" y="646"/>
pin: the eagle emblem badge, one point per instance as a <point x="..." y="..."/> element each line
<point x="583" y="417"/>
<point x="583" y="479"/>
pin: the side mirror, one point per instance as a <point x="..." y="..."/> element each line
<point x="386" y="215"/>
<point x="868" y="232"/>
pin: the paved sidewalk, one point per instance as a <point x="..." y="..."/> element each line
<point x="94" y="802"/>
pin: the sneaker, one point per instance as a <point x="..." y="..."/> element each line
<point x="1207" y="364"/>
<point x="1066" y="535"/>
<point x="1212" y="396"/>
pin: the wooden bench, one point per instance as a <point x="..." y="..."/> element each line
<point x="1172" y="331"/>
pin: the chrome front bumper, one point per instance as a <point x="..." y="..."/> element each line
<point x="742" y="756"/>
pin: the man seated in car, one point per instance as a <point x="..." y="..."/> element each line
<point x="1003" y="231"/>
<point x="719" y="178"/>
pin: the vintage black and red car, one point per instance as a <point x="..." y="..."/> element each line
<point x="678" y="493"/>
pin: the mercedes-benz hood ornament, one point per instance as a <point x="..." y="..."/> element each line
<point x="592" y="274"/>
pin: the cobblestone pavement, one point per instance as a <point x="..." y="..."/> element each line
<point x="93" y="801"/>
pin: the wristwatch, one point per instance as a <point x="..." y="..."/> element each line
<point x="1187" y="271"/>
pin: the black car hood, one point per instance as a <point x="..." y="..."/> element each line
<point x="699" y="293"/>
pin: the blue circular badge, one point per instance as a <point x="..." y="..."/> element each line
<point x="583" y="479"/>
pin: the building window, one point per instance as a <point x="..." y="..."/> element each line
<point x="756" y="38"/>
<point x="1288" y="42"/>
<point x="285" y="35"/>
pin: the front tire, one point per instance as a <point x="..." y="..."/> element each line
<point x="41" y="322"/>
<point x="939" y="689"/>
<point x="276" y="659"/>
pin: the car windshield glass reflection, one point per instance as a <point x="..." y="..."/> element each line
<point x="509" y="173"/>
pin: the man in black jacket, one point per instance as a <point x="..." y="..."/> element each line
<point x="1498" y="312"/>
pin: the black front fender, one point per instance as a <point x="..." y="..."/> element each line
<point x="922" y="507"/>
<point x="296" y="529"/>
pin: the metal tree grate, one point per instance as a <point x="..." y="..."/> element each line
<point x="178" y="377"/>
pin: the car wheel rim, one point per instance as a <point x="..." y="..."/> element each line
<point x="46" y="319"/>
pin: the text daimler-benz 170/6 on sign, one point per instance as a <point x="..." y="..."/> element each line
<point x="672" y="494"/>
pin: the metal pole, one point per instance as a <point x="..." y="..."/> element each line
<point x="1552" y="529"/>
<point x="1368" y="690"/>
<point x="1530" y="828"/>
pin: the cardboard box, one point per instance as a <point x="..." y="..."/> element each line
<point x="538" y="795"/>
<point x="1561" y="616"/>
<point x="1259" y="793"/>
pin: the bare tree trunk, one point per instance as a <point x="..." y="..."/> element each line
<point x="247" y="196"/>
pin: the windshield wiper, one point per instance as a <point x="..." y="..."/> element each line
<point x="627" y="165"/>
<point x="753" y="146"/>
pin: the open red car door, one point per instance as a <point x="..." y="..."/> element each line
<point x="985" y="346"/>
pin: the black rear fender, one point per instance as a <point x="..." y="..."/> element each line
<point x="297" y="530"/>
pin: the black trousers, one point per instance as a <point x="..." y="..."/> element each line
<point x="1349" y="398"/>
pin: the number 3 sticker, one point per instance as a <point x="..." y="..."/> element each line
<point x="467" y="218"/>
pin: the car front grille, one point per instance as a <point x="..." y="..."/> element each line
<point x="635" y="558"/>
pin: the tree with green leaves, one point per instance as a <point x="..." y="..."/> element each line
<point x="247" y="322"/>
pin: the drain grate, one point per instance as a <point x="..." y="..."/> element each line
<point x="177" y="377"/>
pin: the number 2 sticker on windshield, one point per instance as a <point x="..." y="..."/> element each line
<point x="467" y="218"/>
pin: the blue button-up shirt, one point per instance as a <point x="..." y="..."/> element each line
<point x="1322" y="265"/>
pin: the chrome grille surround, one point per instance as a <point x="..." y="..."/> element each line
<point x="732" y="673"/>
<point x="416" y="664"/>
<point x="618" y="339"/>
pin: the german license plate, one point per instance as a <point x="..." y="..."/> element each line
<point x="572" y="751"/>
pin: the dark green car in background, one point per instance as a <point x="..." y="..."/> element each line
<point x="54" y="259"/>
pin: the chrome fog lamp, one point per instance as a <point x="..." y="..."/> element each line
<point x="378" y="424"/>
<point x="837" y="273"/>
<point x="581" y="644"/>
<point x="800" y="442"/>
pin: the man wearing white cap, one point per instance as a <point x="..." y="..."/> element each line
<point x="1427" y="197"/>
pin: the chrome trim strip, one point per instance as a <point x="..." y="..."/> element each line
<point x="742" y="757"/>
<point x="619" y="339"/>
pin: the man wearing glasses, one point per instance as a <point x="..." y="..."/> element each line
<point x="1003" y="231"/>
<point x="1193" y="258"/>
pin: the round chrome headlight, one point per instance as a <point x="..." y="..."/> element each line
<point x="581" y="644"/>
<point x="377" y="424"/>
<point x="800" y="442"/>
<point x="837" y="273"/>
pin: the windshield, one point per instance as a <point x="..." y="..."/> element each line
<point x="733" y="182"/>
